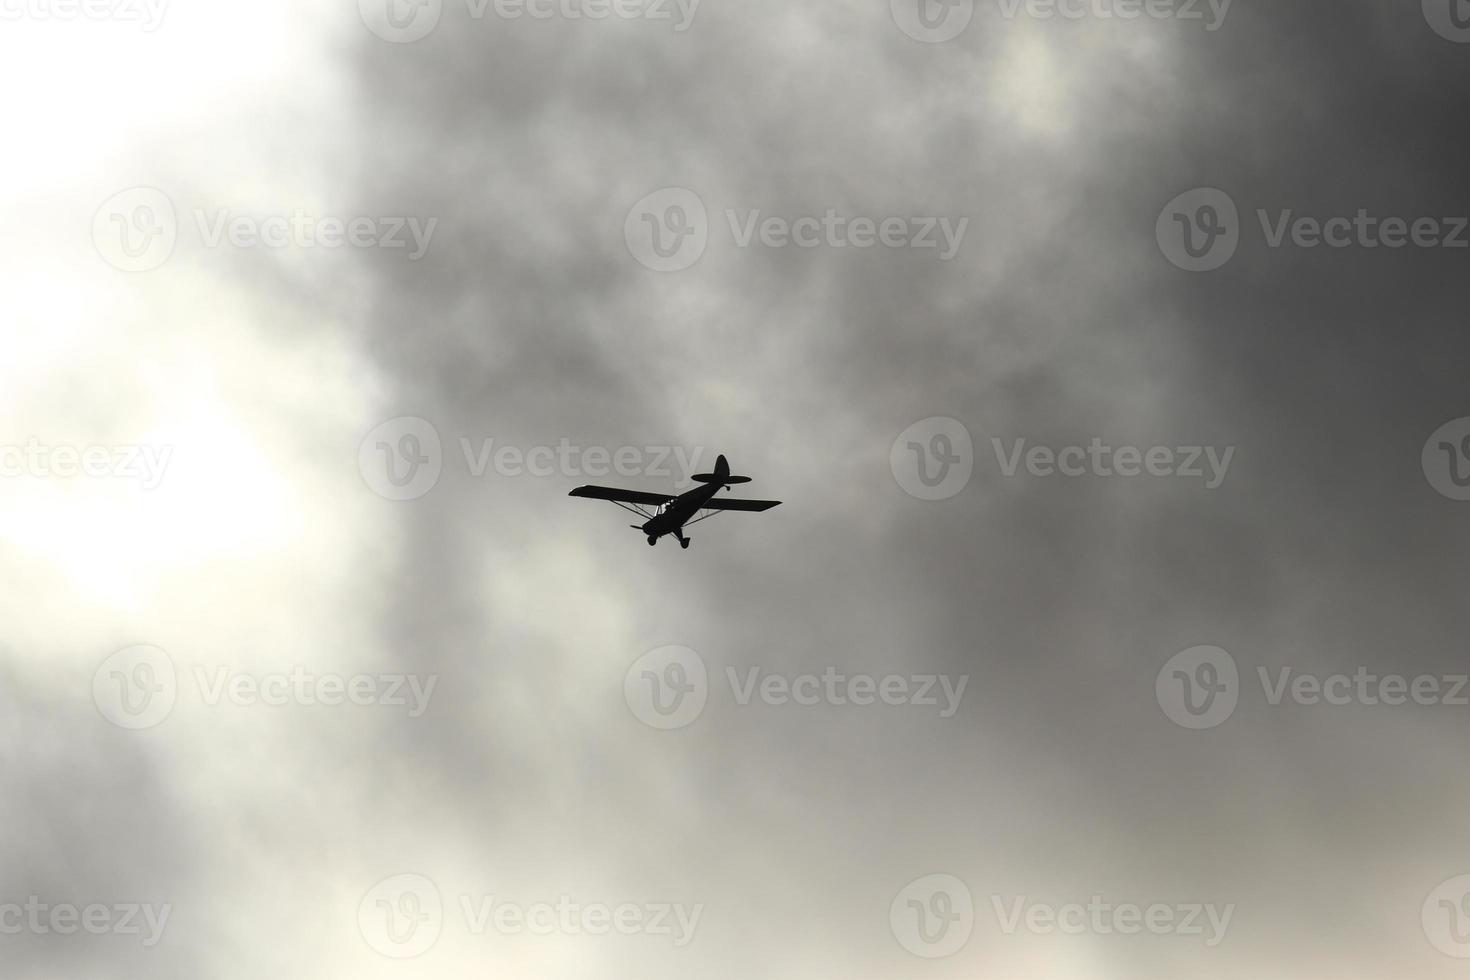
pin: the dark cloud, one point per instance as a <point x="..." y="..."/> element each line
<point x="1060" y="321"/>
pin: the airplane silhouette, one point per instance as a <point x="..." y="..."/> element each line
<point x="672" y="514"/>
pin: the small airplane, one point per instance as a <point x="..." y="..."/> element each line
<point x="673" y="513"/>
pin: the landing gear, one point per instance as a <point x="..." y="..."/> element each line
<point x="652" y="540"/>
<point x="683" y="542"/>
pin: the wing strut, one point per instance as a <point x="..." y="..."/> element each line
<point x="633" y="508"/>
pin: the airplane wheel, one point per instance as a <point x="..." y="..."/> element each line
<point x="652" y="540"/>
<point x="684" y="543"/>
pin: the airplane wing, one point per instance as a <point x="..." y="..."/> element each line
<point x="621" y="496"/>
<point x="719" y="503"/>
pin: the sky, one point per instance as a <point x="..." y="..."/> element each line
<point x="1106" y="358"/>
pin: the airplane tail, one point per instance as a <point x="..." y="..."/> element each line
<point x="721" y="475"/>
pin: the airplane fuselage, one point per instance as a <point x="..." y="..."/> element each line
<point x="680" y="510"/>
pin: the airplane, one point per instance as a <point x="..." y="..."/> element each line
<point x="673" y="513"/>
